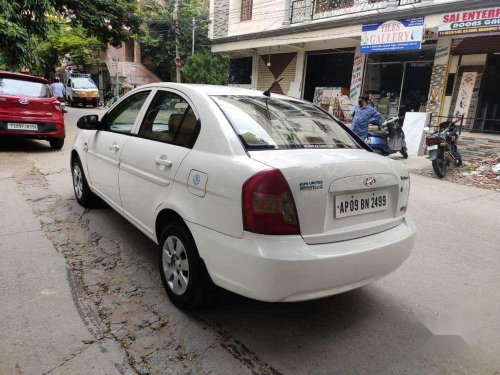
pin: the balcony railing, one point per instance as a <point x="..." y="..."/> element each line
<point x="303" y="10"/>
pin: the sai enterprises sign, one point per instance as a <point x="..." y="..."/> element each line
<point x="480" y="21"/>
<point x="390" y="36"/>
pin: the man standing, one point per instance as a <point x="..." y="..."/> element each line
<point x="362" y="116"/>
<point x="57" y="88"/>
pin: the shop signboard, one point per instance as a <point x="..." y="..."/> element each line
<point x="390" y="36"/>
<point x="480" y="21"/>
<point x="465" y="93"/>
<point x="357" y="76"/>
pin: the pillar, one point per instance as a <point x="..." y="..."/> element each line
<point x="437" y="86"/>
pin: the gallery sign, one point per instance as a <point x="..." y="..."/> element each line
<point x="480" y="21"/>
<point x="390" y="36"/>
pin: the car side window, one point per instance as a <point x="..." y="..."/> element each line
<point x="170" y="119"/>
<point x="121" y="119"/>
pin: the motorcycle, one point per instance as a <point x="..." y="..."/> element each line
<point x="442" y="147"/>
<point x="389" y="139"/>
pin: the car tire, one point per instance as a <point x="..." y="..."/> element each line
<point x="56" y="143"/>
<point x="95" y="104"/>
<point x="183" y="272"/>
<point x="84" y="196"/>
<point x="404" y="152"/>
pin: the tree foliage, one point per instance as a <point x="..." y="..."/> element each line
<point x="70" y="42"/>
<point x="206" y="68"/>
<point x="24" y="23"/>
<point x="157" y="40"/>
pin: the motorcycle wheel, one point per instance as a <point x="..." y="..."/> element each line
<point x="404" y="152"/>
<point x="439" y="166"/>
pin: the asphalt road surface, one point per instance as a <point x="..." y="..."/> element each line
<point x="80" y="292"/>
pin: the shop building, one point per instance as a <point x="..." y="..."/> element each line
<point x="472" y="78"/>
<point x="345" y="47"/>
<point x="436" y="56"/>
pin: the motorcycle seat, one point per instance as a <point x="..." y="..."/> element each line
<point x="380" y="133"/>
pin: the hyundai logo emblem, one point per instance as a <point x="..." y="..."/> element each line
<point x="369" y="181"/>
<point x="24" y="101"/>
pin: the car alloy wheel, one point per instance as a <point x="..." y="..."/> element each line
<point x="78" y="181"/>
<point x="175" y="265"/>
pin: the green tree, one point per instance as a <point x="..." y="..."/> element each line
<point x="65" y="41"/>
<point x="24" y="23"/>
<point x="206" y="68"/>
<point x="157" y="40"/>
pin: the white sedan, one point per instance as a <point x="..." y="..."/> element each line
<point x="266" y="196"/>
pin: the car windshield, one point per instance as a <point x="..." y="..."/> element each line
<point x="83" y="83"/>
<point x="18" y="87"/>
<point x="275" y="123"/>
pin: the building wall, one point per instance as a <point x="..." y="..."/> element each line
<point x="221" y="12"/>
<point x="266" y="15"/>
<point x="476" y="147"/>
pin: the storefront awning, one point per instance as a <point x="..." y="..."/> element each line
<point x="483" y="44"/>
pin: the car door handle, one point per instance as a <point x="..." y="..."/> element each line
<point x="162" y="162"/>
<point x="114" y="147"/>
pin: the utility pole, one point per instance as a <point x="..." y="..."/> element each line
<point x="117" y="59"/>
<point x="177" y="57"/>
<point x="192" y="45"/>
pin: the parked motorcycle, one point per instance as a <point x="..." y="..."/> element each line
<point x="389" y="139"/>
<point x="442" y="147"/>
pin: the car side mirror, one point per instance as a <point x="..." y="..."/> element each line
<point x="89" y="122"/>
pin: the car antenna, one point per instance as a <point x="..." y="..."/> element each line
<point x="268" y="91"/>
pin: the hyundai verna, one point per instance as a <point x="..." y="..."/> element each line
<point x="268" y="197"/>
<point x="28" y="109"/>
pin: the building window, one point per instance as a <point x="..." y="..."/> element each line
<point x="240" y="71"/>
<point x="246" y="10"/>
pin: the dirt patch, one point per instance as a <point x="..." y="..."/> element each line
<point x="482" y="173"/>
<point x="117" y="294"/>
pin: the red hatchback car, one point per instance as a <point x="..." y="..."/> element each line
<point x="28" y="109"/>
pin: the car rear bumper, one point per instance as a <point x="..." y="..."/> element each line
<point x="286" y="269"/>
<point x="47" y="128"/>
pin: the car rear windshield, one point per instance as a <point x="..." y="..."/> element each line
<point x="83" y="83"/>
<point x="18" y="87"/>
<point x="275" y="123"/>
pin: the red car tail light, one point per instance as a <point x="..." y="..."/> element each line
<point x="268" y="204"/>
<point x="58" y="106"/>
<point x="430" y="141"/>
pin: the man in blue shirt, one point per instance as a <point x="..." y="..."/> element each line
<point x="58" y="89"/>
<point x="362" y="116"/>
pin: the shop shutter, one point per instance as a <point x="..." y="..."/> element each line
<point x="283" y="65"/>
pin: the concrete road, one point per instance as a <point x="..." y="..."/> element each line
<point x="80" y="292"/>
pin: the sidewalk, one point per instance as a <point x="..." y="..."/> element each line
<point x="414" y="162"/>
<point x="42" y="330"/>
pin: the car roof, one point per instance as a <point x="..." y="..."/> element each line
<point x="22" y="76"/>
<point x="213" y="89"/>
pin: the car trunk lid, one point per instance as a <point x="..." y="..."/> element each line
<point x="322" y="181"/>
<point x="19" y="106"/>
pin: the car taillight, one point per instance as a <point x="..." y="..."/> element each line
<point x="430" y="141"/>
<point x="268" y="205"/>
<point x="58" y="106"/>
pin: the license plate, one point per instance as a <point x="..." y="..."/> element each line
<point x="362" y="203"/>
<point x="433" y="147"/>
<point x="18" y="126"/>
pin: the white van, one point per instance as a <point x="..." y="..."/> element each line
<point x="81" y="89"/>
